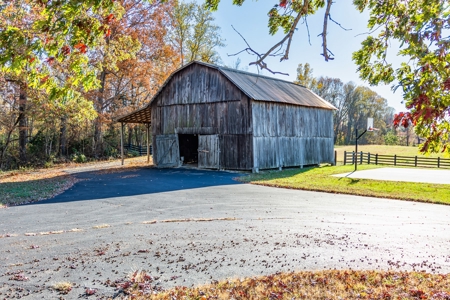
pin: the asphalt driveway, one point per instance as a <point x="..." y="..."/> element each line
<point x="189" y="227"/>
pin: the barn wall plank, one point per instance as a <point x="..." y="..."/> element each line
<point x="286" y="135"/>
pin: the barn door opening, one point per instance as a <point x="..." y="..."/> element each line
<point x="188" y="148"/>
<point x="208" y="151"/>
<point x="167" y="150"/>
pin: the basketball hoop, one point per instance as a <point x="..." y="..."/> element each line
<point x="369" y="128"/>
<point x="370" y="124"/>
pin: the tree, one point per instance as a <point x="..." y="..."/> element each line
<point x="420" y="26"/>
<point x="343" y="97"/>
<point x="305" y="76"/>
<point x="34" y="44"/>
<point x="237" y="65"/>
<point x="59" y="59"/>
<point x="354" y="105"/>
<point x="422" y="29"/>
<point x="121" y="44"/>
<point x="194" y="35"/>
<point x="36" y="34"/>
<point x="391" y="138"/>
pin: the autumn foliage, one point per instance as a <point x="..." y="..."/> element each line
<point x="337" y="284"/>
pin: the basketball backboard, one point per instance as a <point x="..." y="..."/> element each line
<point x="370" y="124"/>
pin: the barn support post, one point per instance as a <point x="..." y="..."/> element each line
<point x="148" y="143"/>
<point x="121" y="142"/>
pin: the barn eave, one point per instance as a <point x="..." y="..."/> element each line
<point x="142" y="116"/>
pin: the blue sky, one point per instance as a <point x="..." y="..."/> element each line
<point x="251" y="21"/>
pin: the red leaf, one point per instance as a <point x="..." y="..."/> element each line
<point x="283" y="3"/>
<point x="65" y="50"/>
<point x="447" y="84"/>
<point x="81" y="47"/>
<point x="50" y="60"/>
<point x="109" y="18"/>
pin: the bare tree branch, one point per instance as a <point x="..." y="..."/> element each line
<point x="241" y="36"/>
<point x="324" y="32"/>
<point x="307" y="29"/>
<point x="339" y="24"/>
<point x="237" y="53"/>
<point x="260" y="62"/>
<point x="370" y="32"/>
<point x="278" y="48"/>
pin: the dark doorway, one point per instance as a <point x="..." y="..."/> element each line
<point x="188" y="148"/>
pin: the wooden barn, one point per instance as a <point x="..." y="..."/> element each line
<point x="221" y="118"/>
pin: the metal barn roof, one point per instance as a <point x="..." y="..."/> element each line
<point x="263" y="88"/>
<point x="255" y="86"/>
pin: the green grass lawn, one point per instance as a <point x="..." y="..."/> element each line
<point x="320" y="179"/>
<point x="19" y="188"/>
<point x="382" y="150"/>
<point x="30" y="185"/>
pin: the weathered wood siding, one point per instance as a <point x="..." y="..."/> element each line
<point x="200" y="100"/>
<point x="208" y="151"/>
<point x="289" y="135"/>
<point x="169" y="155"/>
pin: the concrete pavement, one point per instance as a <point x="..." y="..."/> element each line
<point x="402" y="174"/>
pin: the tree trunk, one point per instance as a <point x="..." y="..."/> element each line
<point x="138" y="138"/>
<point x="98" y="140"/>
<point x="408" y="136"/>
<point x="63" y="137"/>
<point x="130" y="135"/>
<point x="22" y="125"/>
<point x="348" y="137"/>
<point x="5" y="147"/>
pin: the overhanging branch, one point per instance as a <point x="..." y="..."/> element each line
<point x="287" y="39"/>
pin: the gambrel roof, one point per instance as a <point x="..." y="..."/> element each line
<point x="255" y="86"/>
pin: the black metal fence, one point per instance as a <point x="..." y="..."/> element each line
<point x="395" y="160"/>
<point x="142" y="150"/>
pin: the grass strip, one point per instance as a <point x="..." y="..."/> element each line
<point x="332" y="284"/>
<point x="31" y="185"/>
<point x="27" y="187"/>
<point x="320" y="179"/>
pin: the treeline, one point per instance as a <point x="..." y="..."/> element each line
<point x="355" y="104"/>
<point x="140" y="51"/>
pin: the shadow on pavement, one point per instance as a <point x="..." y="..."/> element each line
<point x="119" y="183"/>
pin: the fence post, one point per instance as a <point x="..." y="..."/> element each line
<point x="361" y="158"/>
<point x="335" y="157"/>
<point x="376" y="159"/>
<point x="395" y="159"/>
<point x="368" y="158"/>
<point x="439" y="162"/>
<point x="415" y="161"/>
<point x="345" y="158"/>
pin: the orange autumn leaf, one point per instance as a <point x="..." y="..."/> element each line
<point x="81" y="47"/>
